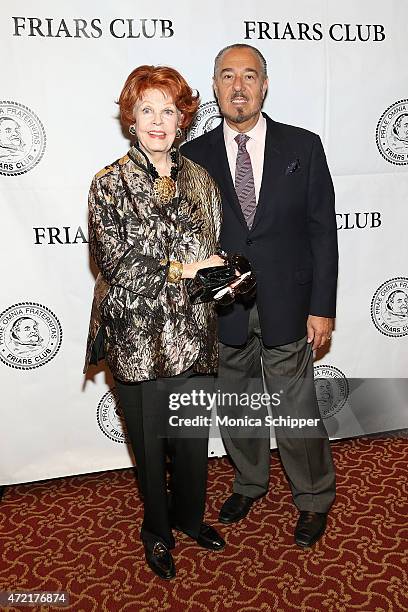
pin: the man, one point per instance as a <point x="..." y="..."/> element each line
<point x="397" y="308"/>
<point x="400" y="132"/>
<point x="11" y="143"/>
<point x="278" y="210"/>
<point x="25" y="336"/>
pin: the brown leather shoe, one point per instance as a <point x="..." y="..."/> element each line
<point x="235" y="508"/>
<point x="310" y="528"/>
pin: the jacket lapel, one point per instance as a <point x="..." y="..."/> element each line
<point x="222" y="173"/>
<point x="271" y="170"/>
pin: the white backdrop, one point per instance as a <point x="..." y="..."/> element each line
<point x="63" y="67"/>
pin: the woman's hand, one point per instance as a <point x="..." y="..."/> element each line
<point x="190" y="270"/>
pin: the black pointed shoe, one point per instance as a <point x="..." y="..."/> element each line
<point x="159" y="559"/>
<point x="207" y="538"/>
<point x="210" y="538"/>
<point x="310" y="528"/>
<point x="235" y="508"/>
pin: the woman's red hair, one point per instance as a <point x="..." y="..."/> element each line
<point x="167" y="80"/>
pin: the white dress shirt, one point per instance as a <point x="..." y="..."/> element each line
<point x="255" y="147"/>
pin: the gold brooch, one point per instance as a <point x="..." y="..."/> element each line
<point x="164" y="188"/>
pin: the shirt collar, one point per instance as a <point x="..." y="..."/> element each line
<point x="257" y="133"/>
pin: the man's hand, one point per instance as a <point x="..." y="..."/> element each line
<point x="319" y="330"/>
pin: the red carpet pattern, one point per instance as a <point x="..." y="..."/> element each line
<point x="81" y="535"/>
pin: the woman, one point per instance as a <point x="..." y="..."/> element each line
<point x="154" y="220"/>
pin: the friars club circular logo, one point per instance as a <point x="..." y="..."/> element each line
<point x="207" y="118"/>
<point x="110" y="419"/>
<point x="389" y="307"/>
<point x="332" y="389"/>
<point x="30" y="336"/>
<point x="22" y="138"/>
<point x="392" y="133"/>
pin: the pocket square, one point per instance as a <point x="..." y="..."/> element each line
<point x="294" y="166"/>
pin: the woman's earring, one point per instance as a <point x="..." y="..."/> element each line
<point x="179" y="133"/>
<point x="132" y="130"/>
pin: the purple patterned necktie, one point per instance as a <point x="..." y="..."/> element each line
<point x="244" y="180"/>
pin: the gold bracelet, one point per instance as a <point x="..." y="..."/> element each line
<point x="175" y="272"/>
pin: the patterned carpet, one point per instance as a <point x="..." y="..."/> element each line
<point x="80" y="534"/>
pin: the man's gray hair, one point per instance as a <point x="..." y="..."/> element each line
<point x="242" y="46"/>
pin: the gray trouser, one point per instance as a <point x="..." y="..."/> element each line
<point x="306" y="457"/>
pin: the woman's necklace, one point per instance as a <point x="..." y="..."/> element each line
<point x="164" y="187"/>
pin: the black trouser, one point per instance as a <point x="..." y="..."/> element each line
<point x="146" y="411"/>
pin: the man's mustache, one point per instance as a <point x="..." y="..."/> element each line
<point x="238" y="94"/>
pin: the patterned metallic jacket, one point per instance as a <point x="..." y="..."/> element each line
<point x="148" y="325"/>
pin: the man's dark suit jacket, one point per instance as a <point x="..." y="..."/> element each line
<point x="292" y="244"/>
